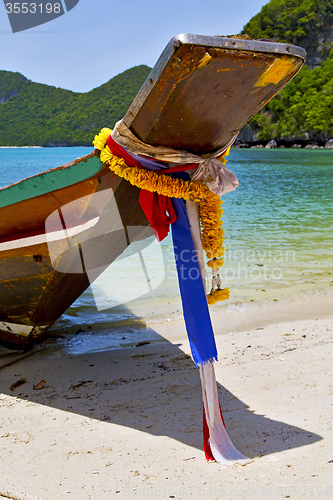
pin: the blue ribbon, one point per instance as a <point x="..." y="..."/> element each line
<point x="195" y="308"/>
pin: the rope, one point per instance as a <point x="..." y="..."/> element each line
<point x="16" y="495"/>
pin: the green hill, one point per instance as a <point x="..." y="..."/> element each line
<point x="308" y="23"/>
<point x="303" y="110"/>
<point x="36" y="114"/>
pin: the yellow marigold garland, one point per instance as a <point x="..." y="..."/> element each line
<point x="100" y="139"/>
<point x="151" y="181"/>
<point x="217" y="295"/>
<point x="210" y="210"/>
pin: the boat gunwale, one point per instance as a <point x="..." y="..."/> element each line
<point x="61" y="167"/>
<point x="228" y="42"/>
<point x="27" y="180"/>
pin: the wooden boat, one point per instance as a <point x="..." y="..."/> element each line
<point x="60" y="229"/>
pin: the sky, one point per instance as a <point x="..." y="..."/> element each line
<point x="98" y="39"/>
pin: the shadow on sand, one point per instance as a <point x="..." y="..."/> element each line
<point x="152" y="388"/>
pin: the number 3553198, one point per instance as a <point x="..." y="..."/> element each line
<point x="32" y="8"/>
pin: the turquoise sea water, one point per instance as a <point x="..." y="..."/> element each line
<point x="278" y="239"/>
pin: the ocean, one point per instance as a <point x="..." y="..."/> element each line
<point x="278" y="241"/>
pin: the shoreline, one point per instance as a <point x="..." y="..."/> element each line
<point x="86" y="337"/>
<point x="128" y="421"/>
<point x="280" y="144"/>
<point x="262" y="145"/>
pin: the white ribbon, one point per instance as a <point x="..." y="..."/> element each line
<point x="221" y="445"/>
<point x="223" y="449"/>
<point x="223" y="180"/>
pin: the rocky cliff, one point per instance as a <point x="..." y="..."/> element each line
<point x="308" y="23"/>
<point x="318" y="46"/>
<point x="301" y="111"/>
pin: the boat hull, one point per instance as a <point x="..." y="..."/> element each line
<point x="55" y="244"/>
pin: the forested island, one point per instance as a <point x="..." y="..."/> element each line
<point x="302" y="113"/>
<point x="36" y="114"/>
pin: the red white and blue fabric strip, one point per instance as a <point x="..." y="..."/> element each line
<point x="161" y="212"/>
<point x="217" y="444"/>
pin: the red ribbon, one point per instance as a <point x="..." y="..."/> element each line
<point x="158" y="209"/>
<point x="117" y="150"/>
<point x="207" y="449"/>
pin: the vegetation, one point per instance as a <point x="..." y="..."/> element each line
<point x="36" y="114"/>
<point x="304" y="108"/>
<point x="41" y="115"/>
<point x="290" y="20"/>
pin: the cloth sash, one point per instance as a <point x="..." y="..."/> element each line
<point x="190" y="269"/>
<point x="218" y="178"/>
<point x="157" y="208"/>
<point x="162" y="211"/>
<point x="195" y="308"/>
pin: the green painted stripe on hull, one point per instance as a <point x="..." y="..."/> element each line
<point x="50" y="180"/>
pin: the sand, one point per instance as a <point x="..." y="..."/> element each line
<point x="127" y="423"/>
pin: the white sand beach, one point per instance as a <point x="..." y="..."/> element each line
<point x="128" y="422"/>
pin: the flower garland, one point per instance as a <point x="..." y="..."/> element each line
<point x="210" y="213"/>
<point x="210" y="210"/>
<point x="151" y="181"/>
